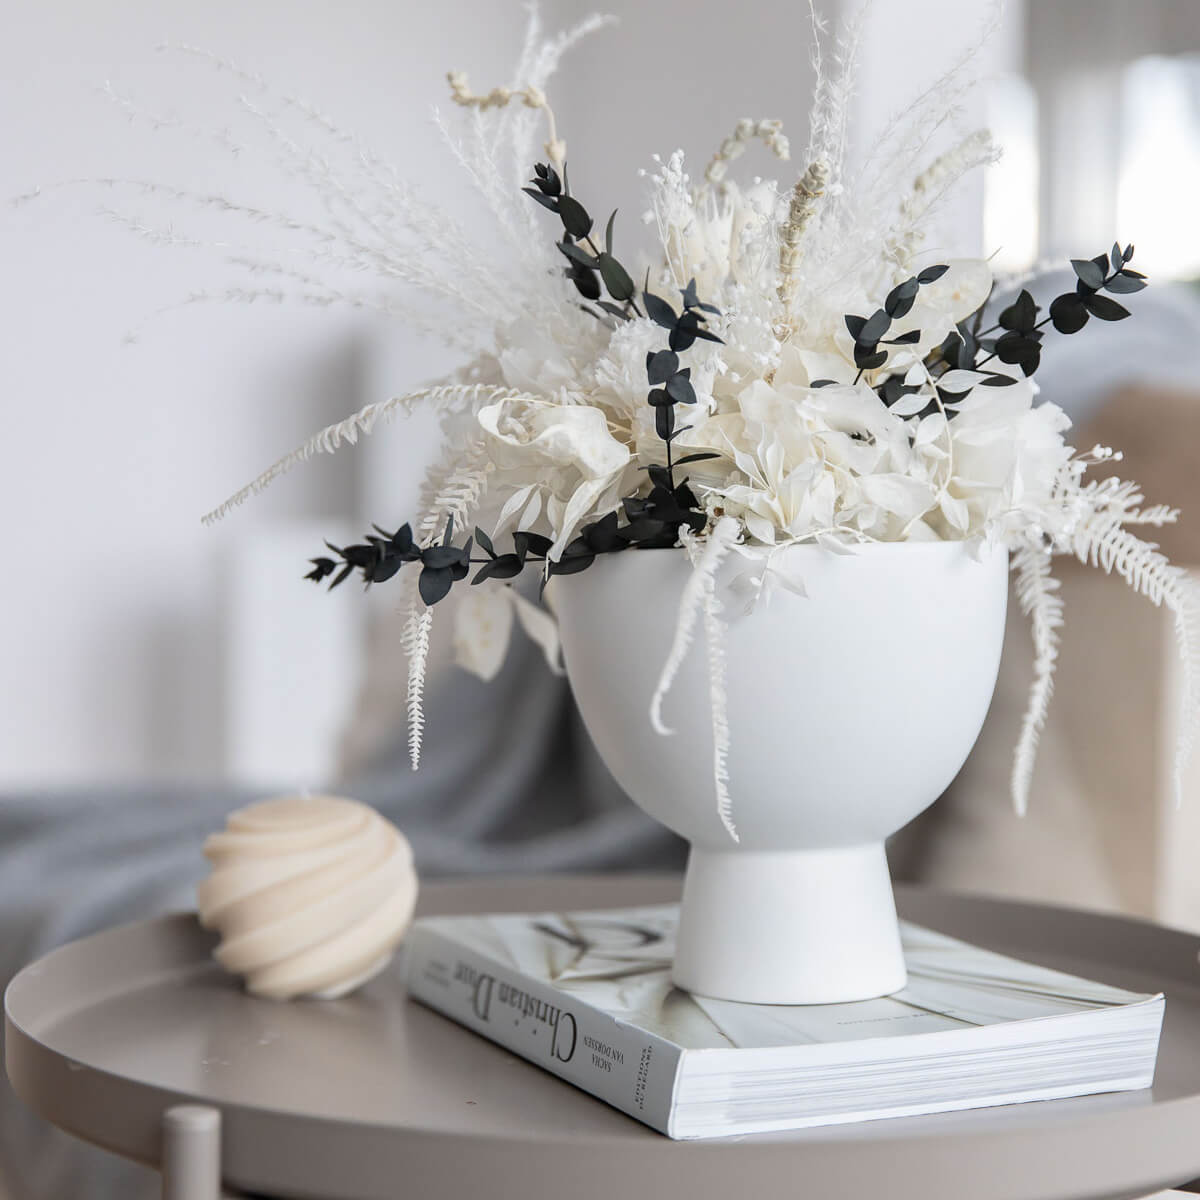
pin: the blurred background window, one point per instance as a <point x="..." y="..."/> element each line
<point x="1010" y="193"/>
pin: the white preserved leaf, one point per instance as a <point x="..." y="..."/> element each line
<point x="910" y="405"/>
<point x="482" y="629"/>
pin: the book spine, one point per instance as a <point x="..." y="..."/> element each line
<point x="625" y="1066"/>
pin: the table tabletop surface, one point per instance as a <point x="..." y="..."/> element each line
<point x="374" y="1096"/>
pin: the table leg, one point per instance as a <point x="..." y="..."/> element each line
<point x="191" y="1153"/>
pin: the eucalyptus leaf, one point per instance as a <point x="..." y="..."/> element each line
<point x="661" y="365"/>
<point x="435" y="584"/>
<point x="877" y="325"/>
<point x="1068" y="314"/>
<point x="577" y="255"/>
<point x="585" y="281"/>
<point x="505" y="566"/>
<point x="1105" y="308"/>
<point x="1124" y="284"/>
<point x="573" y="565"/>
<point x="658" y="310"/>
<point x="1021" y="315"/>
<point x="574" y="217"/>
<point x="679" y="388"/>
<point x="550" y="202"/>
<point x="664" y="420"/>
<point x="386" y="568"/>
<point x="901" y="298"/>
<point x="1088" y="272"/>
<point x="531" y="543"/>
<point x="616" y="278"/>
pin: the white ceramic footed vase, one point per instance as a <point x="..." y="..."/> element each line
<point x="850" y="709"/>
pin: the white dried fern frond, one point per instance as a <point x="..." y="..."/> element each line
<point x="1039" y="598"/>
<point x="360" y="423"/>
<point x="707" y="557"/>
<point x="1156" y="514"/>
<point x="714" y="636"/>
<point x="1100" y="540"/>
<point x="700" y="595"/>
<point x="415" y="642"/>
<point x="453" y="490"/>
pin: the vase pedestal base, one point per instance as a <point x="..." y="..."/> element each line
<point x="789" y="926"/>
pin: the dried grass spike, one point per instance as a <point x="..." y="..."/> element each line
<point x="809" y="188"/>
<point x="770" y="133"/>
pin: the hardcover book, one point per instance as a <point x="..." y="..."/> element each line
<point x="589" y="996"/>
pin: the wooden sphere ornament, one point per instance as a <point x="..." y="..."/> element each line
<point x="310" y="894"/>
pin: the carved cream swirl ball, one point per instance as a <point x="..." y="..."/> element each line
<point x="310" y="894"/>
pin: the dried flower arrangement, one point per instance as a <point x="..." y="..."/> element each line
<point x="836" y="390"/>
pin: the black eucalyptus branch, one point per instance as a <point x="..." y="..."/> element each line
<point x="1020" y="343"/>
<point x="671" y="384"/>
<point x="650" y="522"/>
<point x="868" y="332"/>
<point x="586" y="269"/>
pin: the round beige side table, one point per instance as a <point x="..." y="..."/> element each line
<point x="134" y="1040"/>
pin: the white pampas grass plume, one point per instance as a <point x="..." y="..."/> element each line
<point x="829" y="113"/>
<point x="706" y="557"/>
<point x="930" y="186"/>
<point x="1038" y="596"/>
<point x="362" y="422"/>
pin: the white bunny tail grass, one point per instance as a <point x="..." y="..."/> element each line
<point x="746" y="131"/>
<point x="329" y="439"/>
<point x="1038" y="596"/>
<point x="706" y="558"/>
